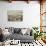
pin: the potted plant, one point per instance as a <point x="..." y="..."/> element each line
<point x="37" y="33"/>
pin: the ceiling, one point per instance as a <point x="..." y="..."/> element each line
<point x="24" y="0"/>
<point x="20" y="0"/>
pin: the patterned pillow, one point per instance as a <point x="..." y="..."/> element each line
<point x="11" y="30"/>
<point x="17" y="30"/>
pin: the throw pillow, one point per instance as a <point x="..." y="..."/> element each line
<point x="17" y="30"/>
<point x="23" y="31"/>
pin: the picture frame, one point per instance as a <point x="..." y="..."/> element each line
<point x="15" y="15"/>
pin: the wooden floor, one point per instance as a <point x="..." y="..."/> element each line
<point x="35" y="43"/>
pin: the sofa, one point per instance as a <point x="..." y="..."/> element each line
<point x="15" y="33"/>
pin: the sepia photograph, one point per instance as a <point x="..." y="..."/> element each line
<point x="15" y="15"/>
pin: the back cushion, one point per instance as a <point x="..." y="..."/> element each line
<point x="11" y="30"/>
<point x="23" y="31"/>
<point x="17" y="30"/>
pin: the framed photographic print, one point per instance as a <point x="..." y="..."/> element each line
<point x="15" y="15"/>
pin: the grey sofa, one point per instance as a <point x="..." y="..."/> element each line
<point x="17" y="35"/>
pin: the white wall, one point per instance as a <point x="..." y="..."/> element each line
<point x="31" y="14"/>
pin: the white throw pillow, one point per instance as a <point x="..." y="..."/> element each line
<point x="23" y="31"/>
<point x="5" y="32"/>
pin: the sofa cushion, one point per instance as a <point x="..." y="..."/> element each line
<point x="20" y="37"/>
<point x="23" y="31"/>
<point x="17" y="30"/>
<point x="11" y="30"/>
